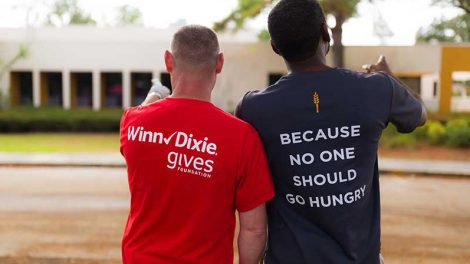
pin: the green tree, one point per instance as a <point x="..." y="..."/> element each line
<point x="462" y="4"/>
<point x="68" y="12"/>
<point x="455" y="30"/>
<point x="5" y="66"/>
<point x="128" y="15"/>
<point x="342" y="10"/>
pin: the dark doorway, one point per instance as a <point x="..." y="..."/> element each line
<point x="165" y="79"/>
<point x="82" y="89"/>
<point x="140" y="85"/>
<point x="111" y="87"/>
<point x="21" y="84"/>
<point x="51" y="88"/>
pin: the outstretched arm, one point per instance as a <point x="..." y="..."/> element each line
<point x="382" y="66"/>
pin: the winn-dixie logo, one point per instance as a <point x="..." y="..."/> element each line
<point x="179" y="161"/>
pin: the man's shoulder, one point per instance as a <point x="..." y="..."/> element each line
<point x="229" y="121"/>
<point x="374" y="83"/>
<point x="255" y="96"/>
<point x="373" y="76"/>
<point x="249" y="102"/>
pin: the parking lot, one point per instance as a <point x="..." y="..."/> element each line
<point x="77" y="215"/>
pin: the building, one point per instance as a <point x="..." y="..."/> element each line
<point x="91" y="67"/>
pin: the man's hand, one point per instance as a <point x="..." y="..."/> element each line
<point x="380" y="66"/>
<point x="157" y="91"/>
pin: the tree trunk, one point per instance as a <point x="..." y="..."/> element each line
<point x="338" y="48"/>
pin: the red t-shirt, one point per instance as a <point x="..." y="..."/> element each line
<point x="190" y="166"/>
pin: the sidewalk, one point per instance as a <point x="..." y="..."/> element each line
<point x="388" y="165"/>
<point x="62" y="159"/>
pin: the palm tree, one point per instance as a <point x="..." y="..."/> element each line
<point x="341" y="10"/>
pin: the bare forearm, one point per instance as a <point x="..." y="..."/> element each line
<point x="251" y="246"/>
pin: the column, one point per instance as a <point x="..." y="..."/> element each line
<point x="96" y="90"/>
<point x="36" y="88"/>
<point x="5" y="92"/>
<point x="66" y="89"/>
<point x="126" y="89"/>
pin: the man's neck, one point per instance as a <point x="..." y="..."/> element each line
<point x="315" y="63"/>
<point x="191" y="96"/>
<point x="192" y="88"/>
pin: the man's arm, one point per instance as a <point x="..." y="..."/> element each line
<point x="382" y="66"/>
<point x="156" y="92"/>
<point x="252" y="237"/>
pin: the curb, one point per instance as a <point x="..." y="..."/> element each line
<point x="62" y="160"/>
<point x="425" y="167"/>
<point x="386" y="165"/>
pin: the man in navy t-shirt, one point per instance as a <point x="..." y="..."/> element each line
<point x="320" y="127"/>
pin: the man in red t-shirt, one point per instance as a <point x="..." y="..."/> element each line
<point x="191" y="166"/>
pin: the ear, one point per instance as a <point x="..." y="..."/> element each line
<point x="325" y="34"/>
<point x="169" y="61"/>
<point x="219" y="64"/>
<point x="275" y="48"/>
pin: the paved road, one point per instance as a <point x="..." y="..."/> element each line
<point x="388" y="165"/>
<point x="76" y="215"/>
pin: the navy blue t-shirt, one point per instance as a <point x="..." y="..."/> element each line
<point x="321" y="132"/>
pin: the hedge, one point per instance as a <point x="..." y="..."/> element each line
<point x="59" y="120"/>
<point x="453" y="132"/>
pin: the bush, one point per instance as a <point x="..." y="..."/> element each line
<point x="421" y="133"/>
<point x="458" y="133"/>
<point x="59" y="120"/>
<point x="407" y="141"/>
<point x="435" y="132"/>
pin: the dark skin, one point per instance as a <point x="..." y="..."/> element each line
<point x="317" y="63"/>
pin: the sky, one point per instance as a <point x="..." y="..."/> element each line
<point x="403" y="17"/>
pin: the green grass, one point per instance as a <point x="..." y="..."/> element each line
<point x="59" y="142"/>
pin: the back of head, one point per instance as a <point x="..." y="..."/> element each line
<point x="195" y="47"/>
<point x="295" y="27"/>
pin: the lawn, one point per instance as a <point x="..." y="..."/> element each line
<point x="59" y="142"/>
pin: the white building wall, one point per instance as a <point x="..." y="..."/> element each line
<point x="418" y="59"/>
<point x="126" y="50"/>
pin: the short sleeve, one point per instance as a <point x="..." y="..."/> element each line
<point x="255" y="185"/>
<point x="238" y="109"/>
<point x="405" y="110"/>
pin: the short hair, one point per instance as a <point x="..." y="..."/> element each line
<point x="295" y="27"/>
<point x="196" y="46"/>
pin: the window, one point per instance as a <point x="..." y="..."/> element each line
<point x="111" y="89"/>
<point x="82" y="89"/>
<point x="165" y="79"/>
<point x="273" y="78"/>
<point x="412" y="82"/>
<point x="460" y="101"/>
<point x="140" y="85"/>
<point x="51" y="88"/>
<point x="21" y="84"/>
